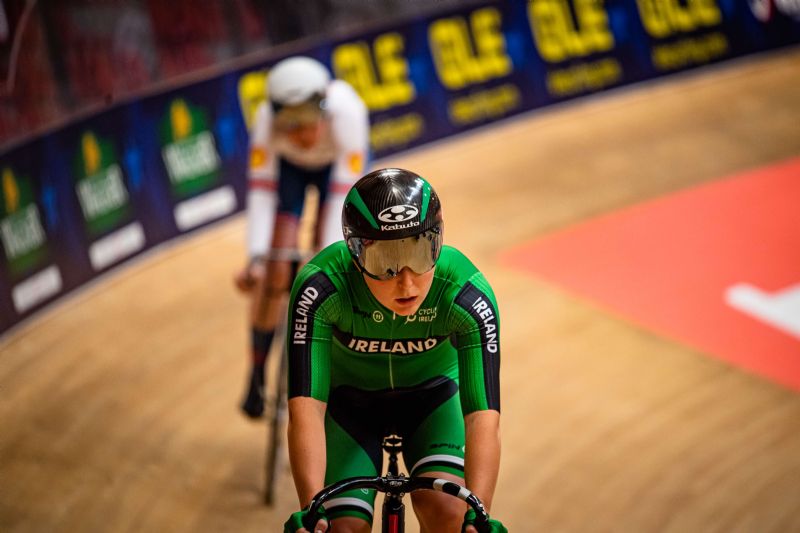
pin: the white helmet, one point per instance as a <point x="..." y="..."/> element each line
<point x="296" y="80"/>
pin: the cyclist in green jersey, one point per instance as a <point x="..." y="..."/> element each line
<point x="390" y="332"/>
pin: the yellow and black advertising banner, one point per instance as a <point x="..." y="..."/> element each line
<point x="80" y="200"/>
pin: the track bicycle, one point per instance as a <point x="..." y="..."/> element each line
<point x="395" y="485"/>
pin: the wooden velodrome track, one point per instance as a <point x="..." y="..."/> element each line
<point x="118" y="407"/>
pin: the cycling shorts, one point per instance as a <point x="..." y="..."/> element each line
<point x="292" y="184"/>
<point x="428" y="417"/>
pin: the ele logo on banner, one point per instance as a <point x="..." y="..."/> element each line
<point x="686" y="35"/>
<point x="578" y="36"/>
<point x="378" y="70"/>
<point x="470" y="53"/>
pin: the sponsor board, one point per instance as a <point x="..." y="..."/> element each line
<point x="174" y="161"/>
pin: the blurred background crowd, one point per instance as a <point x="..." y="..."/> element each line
<point x="62" y="58"/>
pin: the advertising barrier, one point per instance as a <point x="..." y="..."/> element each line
<point x="78" y="201"/>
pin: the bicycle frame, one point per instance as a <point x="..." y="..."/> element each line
<point x="396" y="485"/>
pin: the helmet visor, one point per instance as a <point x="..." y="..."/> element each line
<point x="383" y="260"/>
<point x="290" y="117"/>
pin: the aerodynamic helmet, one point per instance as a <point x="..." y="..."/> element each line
<point x="392" y="219"/>
<point x="296" y="88"/>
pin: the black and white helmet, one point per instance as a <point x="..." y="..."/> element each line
<point x="392" y="218"/>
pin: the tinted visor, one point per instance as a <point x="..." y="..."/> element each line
<point x="383" y="260"/>
<point x="289" y="117"/>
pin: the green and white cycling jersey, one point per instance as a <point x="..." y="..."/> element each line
<point x="340" y="335"/>
<point x="415" y="376"/>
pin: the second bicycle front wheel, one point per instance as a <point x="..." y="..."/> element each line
<point x="275" y="422"/>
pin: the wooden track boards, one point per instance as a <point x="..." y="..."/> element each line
<point x="119" y="406"/>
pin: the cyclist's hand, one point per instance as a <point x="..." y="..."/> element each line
<point x="244" y="281"/>
<point x="248" y="277"/>
<point x="295" y="522"/>
<point x="495" y="526"/>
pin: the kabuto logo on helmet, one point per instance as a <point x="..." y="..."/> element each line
<point x="399" y="216"/>
<point x="388" y="204"/>
<point x="398" y="213"/>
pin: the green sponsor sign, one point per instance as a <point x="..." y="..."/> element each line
<point x="188" y="150"/>
<point x="21" y="230"/>
<point x="100" y="185"/>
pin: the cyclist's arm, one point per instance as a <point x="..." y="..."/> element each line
<point x="262" y="198"/>
<point x="313" y="300"/>
<point x="482" y="454"/>
<point x="478" y="330"/>
<point x="307" y="446"/>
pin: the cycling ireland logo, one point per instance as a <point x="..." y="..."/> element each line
<point x="398" y="217"/>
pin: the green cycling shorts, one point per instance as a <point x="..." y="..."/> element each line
<point x="428" y="417"/>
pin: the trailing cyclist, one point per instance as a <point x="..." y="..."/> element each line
<point x="311" y="132"/>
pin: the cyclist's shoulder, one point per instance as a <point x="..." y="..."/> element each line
<point x="332" y="262"/>
<point x="334" y="257"/>
<point x="457" y="273"/>
<point x="454" y="266"/>
<point x="343" y="101"/>
<point x="261" y="123"/>
<point x="339" y="91"/>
